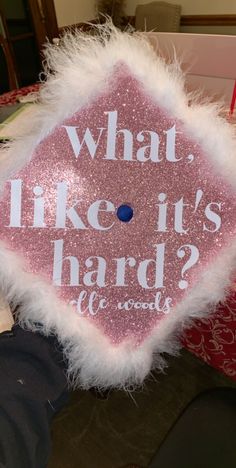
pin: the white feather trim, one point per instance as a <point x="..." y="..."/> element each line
<point x="83" y="63"/>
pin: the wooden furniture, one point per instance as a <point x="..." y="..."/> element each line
<point x="13" y="84"/>
<point x="25" y="29"/>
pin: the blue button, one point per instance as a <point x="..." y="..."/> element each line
<point x="125" y="213"/>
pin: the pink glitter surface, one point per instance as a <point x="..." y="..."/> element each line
<point x="92" y="176"/>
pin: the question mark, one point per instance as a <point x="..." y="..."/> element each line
<point x="193" y="259"/>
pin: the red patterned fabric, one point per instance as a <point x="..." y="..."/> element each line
<point x="7" y="99"/>
<point x="213" y="339"/>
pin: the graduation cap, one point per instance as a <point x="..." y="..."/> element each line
<point x="117" y="208"/>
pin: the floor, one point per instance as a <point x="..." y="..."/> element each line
<point x="128" y="428"/>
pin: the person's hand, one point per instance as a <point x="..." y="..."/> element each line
<point x="6" y="318"/>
